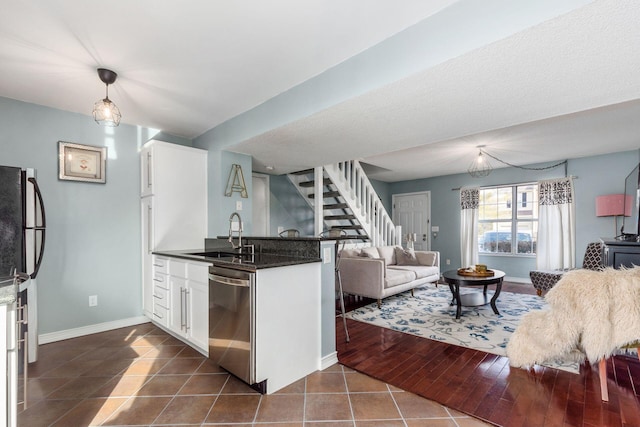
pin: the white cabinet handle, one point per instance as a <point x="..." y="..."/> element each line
<point x="186" y="310"/>
<point x="149" y="241"/>
<point x="149" y="170"/>
<point x="183" y="323"/>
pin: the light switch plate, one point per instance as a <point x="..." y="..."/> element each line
<point x="239" y="205"/>
<point x="435" y="228"/>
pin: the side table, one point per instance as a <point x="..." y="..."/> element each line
<point x="454" y="280"/>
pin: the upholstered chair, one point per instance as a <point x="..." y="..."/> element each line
<point x="543" y="280"/>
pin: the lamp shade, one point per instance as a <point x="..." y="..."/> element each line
<point x="613" y="205"/>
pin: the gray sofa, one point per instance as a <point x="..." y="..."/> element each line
<point x="379" y="272"/>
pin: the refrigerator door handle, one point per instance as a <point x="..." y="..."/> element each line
<point x="41" y="227"/>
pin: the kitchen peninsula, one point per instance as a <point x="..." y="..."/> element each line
<point x="265" y="309"/>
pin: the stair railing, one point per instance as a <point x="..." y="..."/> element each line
<point x="352" y="182"/>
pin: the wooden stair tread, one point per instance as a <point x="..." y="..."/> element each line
<point x="335" y="206"/>
<point x="326" y="194"/>
<point x="308" y="184"/>
<point x="336" y="217"/>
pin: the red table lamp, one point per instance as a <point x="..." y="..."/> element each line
<point x="614" y="205"/>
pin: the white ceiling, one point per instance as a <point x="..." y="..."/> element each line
<point x="565" y="88"/>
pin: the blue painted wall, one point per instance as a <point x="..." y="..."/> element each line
<point x="93" y="230"/>
<point x="287" y="208"/>
<point x="598" y="175"/>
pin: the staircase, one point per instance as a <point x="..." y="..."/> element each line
<point x="348" y="202"/>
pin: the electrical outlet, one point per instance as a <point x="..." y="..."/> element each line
<point x="93" y="300"/>
<point x="448" y="261"/>
<point x="239" y="205"/>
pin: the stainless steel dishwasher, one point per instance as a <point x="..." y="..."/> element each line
<point x="232" y="322"/>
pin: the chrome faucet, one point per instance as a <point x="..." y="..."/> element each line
<point x="239" y="247"/>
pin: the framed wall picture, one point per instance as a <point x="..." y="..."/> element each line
<point x="78" y="162"/>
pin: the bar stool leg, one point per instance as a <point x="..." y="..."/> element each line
<point x="344" y="318"/>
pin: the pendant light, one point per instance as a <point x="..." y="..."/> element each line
<point x="105" y="112"/>
<point x="480" y="166"/>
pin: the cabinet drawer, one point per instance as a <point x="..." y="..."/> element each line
<point x="160" y="265"/>
<point x="160" y="314"/>
<point x="161" y="296"/>
<point x="178" y="268"/>
<point x="198" y="272"/>
<point x="161" y="280"/>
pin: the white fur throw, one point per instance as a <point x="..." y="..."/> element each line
<point x="590" y="313"/>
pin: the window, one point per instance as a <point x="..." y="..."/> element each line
<point x="505" y="227"/>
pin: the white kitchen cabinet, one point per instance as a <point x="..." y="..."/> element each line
<point x="189" y="297"/>
<point x="173" y="190"/>
<point x="198" y="314"/>
<point x="288" y="330"/>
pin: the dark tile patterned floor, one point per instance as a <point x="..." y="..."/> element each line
<point x="142" y="376"/>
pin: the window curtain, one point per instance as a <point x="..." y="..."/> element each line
<point x="556" y="224"/>
<point x="469" y="200"/>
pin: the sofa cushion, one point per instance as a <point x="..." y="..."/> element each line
<point x="388" y="253"/>
<point x="398" y="277"/>
<point x="420" y="271"/>
<point x="405" y="257"/>
<point x="369" y="252"/>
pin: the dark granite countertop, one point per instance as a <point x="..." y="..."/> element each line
<point x="249" y="262"/>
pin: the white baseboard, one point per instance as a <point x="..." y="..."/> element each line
<point x="328" y="360"/>
<point x="90" y="329"/>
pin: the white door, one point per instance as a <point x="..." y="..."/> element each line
<point x="260" y="205"/>
<point x="413" y="212"/>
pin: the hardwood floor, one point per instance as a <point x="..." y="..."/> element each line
<point x="485" y="386"/>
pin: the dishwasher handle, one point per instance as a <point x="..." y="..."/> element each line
<point x="244" y="283"/>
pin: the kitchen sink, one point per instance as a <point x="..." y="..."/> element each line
<point x="213" y="254"/>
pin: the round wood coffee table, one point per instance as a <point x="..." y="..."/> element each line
<point x="454" y="280"/>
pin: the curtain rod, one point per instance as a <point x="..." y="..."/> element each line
<point x="516" y="183"/>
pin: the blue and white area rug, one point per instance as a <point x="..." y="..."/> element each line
<point x="429" y="315"/>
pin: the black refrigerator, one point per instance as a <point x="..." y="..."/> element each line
<point x="22" y="238"/>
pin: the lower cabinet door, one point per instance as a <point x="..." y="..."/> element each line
<point x="198" y="314"/>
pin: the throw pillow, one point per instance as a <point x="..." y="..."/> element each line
<point x="350" y="253"/>
<point x="388" y="253"/>
<point x="406" y="257"/>
<point x="369" y="252"/>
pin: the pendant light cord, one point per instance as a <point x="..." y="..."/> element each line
<point x="564" y="162"/>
